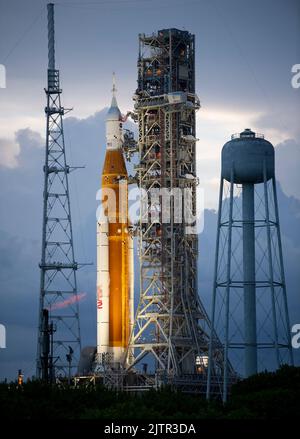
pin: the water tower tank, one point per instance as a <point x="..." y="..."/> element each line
<point x="246" y="154"/>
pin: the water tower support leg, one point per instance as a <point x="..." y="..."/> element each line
<point x="249" y="280"/>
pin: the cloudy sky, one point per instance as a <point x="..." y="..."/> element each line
<point x="244" y="54"/>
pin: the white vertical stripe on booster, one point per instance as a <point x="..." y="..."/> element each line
<point x="131" y="281"/>
<point x="102" y="288"/>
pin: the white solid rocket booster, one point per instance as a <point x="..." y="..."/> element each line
<point x="102" y="288"/>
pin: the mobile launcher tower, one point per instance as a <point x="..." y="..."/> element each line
<point x="170" y="336"/>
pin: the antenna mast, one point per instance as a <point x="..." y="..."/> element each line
<point x="58" y="288"/>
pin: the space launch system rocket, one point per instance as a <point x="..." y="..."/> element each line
<point x="115" y="276"/>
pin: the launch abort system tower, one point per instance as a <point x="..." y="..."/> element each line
<point x="58" y="290"/>
<point x="170" y="330"/>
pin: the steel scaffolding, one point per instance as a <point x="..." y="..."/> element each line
<point x="171" y="329"/>
<point x="58" y="289"/>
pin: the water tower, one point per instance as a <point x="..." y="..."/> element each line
<point x="249" y="303"/>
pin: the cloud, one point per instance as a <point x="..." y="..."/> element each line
<point x="215" y="125"/>
<point x="289" y="212"/>
<point x="278" y="125"/>
<point x="19" y="282"/>
<point x="21" y="228"/>
<point x="21" y="222"/>
<point x="227" y="116"/>
<point x="20" y="150"/>
<point x="9" y="150"/>
<point x="30" y="139"/>
<point x="287" y="166"/>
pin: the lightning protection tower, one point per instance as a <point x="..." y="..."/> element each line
<point x="58" y="290"/>
<point x="170" y="332"/>
<point x="250" y="312"/>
